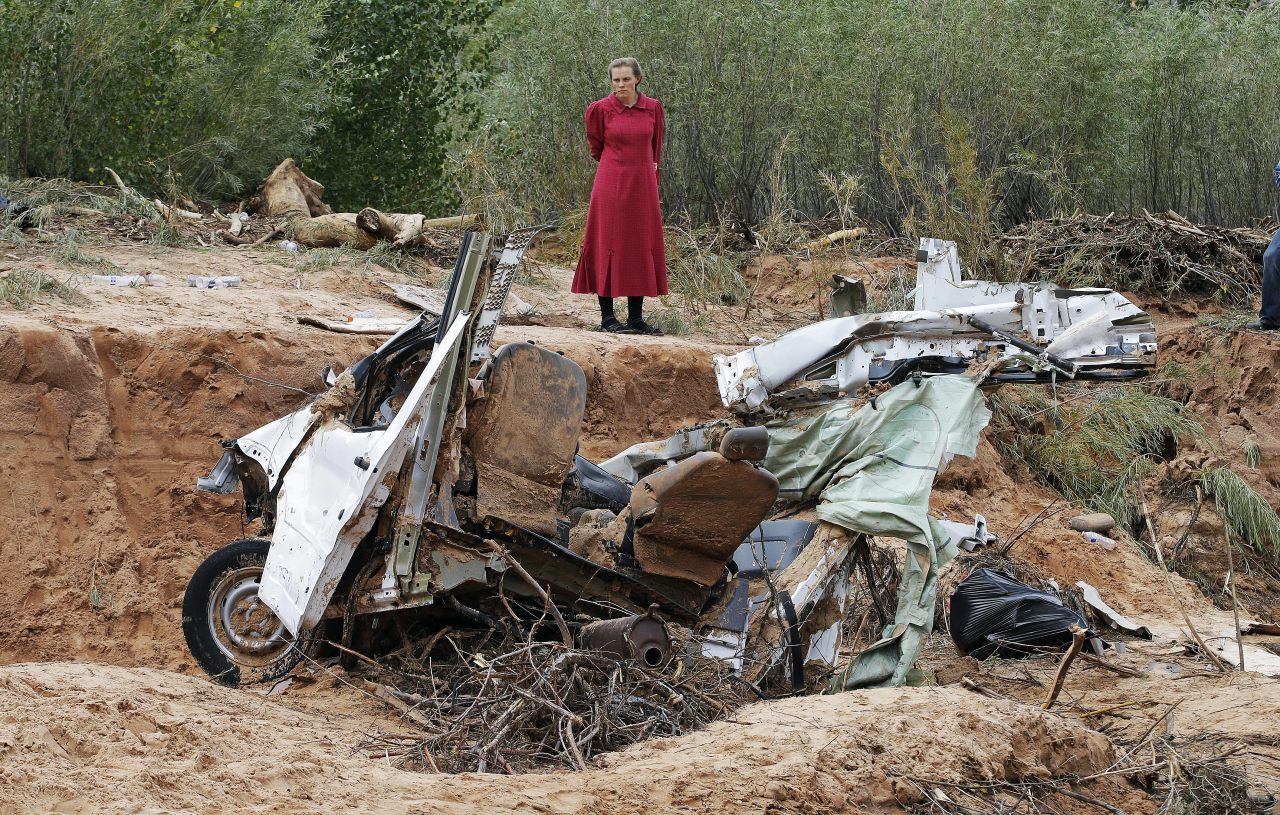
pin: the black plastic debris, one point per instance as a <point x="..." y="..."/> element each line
<point x="991" y="614"/>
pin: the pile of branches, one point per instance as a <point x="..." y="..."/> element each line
<point x="1163" y="254"/>
<point x="539" y="705"/>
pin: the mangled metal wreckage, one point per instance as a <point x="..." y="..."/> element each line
<point x="435" y="471"/>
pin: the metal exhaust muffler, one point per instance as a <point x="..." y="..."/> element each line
<point x="642" y="637"/>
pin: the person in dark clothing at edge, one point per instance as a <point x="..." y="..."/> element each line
<point x="1269" y="314"/>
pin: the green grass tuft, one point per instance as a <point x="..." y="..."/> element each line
<point x="671" y="320"/>
<point x="355" y="260"/>
<point x="1250" y="518"/>
<point x="1252" y="452"/>
<point x="1231" y="321"/>
<point x="1094" y="445"/>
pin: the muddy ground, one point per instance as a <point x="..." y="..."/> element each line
<point x="113" y="405"/>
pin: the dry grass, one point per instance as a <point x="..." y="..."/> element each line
<point x="21" y="288"/>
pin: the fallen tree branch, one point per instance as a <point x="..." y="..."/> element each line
<point x="839" y="236"/>
<point x="1077" y="642"/>
<point x="1155" y="542"/>
<point x="173" y="212"/>
<point x="1231" y="583"/>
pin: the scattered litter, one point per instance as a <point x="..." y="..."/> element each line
<point x="1099" y="522"/>
<point x="1117" y="620"/>
<point x="130" y="279"/>
<point x="1101" y="540"/>
<point x="992" y="614"/>
<point x="203" y="282"/>
<point x="289" y="246"/>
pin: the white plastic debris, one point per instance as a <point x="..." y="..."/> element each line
<point x="203" y="282"/>
<point x="129" y="279"/>
<point x="1101" y="540"/>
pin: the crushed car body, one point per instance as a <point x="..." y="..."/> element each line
<point x="441" y="478"/>
<point x="1040" y="330"/>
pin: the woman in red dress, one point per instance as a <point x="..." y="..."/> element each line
<point x="622" y="252"/>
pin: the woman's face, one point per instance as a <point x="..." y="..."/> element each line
<point x="624" y="83"/>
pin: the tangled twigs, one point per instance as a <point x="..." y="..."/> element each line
<point x="528" y="578"/>
<point x="1160" y="252"/>
<point x="540" y="704"/>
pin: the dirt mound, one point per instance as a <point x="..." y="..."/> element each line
<point x="81" y="738"/>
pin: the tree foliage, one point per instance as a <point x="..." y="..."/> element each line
<point x="197" y="96"/>
<point x="1064" y="103"/>
<point x="409" y="76"/>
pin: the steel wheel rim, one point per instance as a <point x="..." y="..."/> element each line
<point x="244" y="628"/>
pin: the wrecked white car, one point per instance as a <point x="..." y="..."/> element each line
<point x="1038" y="330"/>
<point x="440" y="480"/>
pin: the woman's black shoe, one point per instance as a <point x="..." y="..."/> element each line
<point x="641" y="327"/>
<point x="614" y="326"/>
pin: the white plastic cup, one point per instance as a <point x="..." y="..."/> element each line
<point x="203" y="282"/>
<point x="1101" y="540"/>
<point x="120" y="279"/>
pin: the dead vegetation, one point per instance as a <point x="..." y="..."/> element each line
<point x="489" y="703"/>
<point x="1163" y="254"/>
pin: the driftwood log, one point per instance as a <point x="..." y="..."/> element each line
<point x="290" y="195"/>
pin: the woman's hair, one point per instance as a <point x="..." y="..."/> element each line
<point x="626" y="62"/>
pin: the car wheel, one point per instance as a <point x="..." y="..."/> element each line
<point x="234" y="636"/>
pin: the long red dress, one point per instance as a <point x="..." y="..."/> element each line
<point x="622" y="252"/>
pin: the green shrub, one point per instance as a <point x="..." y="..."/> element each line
<point x="411" y="72"/>
<point x="1093" y="445"/>
<point x="1251" y="519"/>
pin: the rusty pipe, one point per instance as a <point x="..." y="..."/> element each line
<point x="642" y="637"/>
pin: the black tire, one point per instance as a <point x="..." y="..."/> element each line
<point x="260" y="649"/>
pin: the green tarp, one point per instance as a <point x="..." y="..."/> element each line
<point x="871" y="465"/>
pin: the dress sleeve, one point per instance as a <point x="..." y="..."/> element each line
<point x="658" y="123"/>
<point x="595" y="130"/>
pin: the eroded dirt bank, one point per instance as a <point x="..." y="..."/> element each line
<point x="110" y="415"/>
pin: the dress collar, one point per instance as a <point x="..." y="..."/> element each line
<point x="642" y="102"/>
